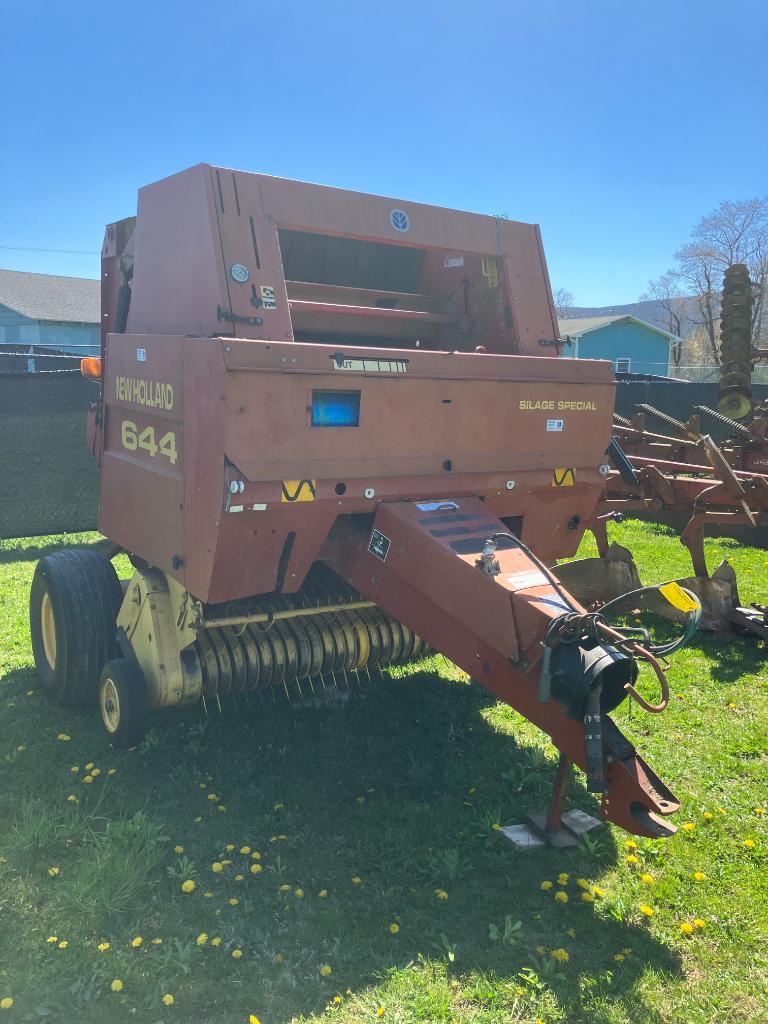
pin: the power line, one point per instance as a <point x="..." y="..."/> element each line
<point x="68" y="252"/>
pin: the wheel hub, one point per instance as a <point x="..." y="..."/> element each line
<point x="110" y="706"/>
<point x="48" y="630"/>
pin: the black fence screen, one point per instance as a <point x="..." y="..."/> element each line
<point x="49" y="482"/>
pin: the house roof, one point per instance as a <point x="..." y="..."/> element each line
<point x="583" y="325"/>
<point x="48" y="297"/>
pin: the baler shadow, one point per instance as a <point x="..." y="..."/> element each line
<point x="400" y="786"/>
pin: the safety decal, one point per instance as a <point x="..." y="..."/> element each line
<point x="342" y="362"/>
<point x="563" y="477"/>
<point x="378" y="545"/>
<point x="678" y="598"/>
<point x="298" y="490"/>
<point x="525" y="580"/>
<point x="268" y="300"/>
<point x="454" y="261"/>
<point x="555" y="426"/>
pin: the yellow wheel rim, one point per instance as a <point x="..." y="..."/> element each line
<point x="110" y="706"/>
<point x="48" y="630"/>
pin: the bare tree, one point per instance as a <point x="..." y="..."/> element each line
<point x="563" y="303"/>
<point x="736" y="232"/>
<point x="667" y="292"/>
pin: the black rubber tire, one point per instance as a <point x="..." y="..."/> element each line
<point x="129" y="724"/>
<point x="84" y="597"/>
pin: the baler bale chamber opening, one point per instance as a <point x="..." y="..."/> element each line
<point x="334" y="434"/>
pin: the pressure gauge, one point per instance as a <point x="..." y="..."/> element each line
<point x="239" y="273"/>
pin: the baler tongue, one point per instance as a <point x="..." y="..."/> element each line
<point x="455" y="575"/>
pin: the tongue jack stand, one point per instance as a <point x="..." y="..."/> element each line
<point x="552" y="827"/>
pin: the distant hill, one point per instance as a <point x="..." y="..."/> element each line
<point x="651" y="311"/>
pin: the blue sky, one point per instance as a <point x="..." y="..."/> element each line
<point x="613" y="125"/>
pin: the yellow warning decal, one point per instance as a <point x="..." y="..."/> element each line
<point x="564" y="477"/>
<point x="678" y="598"/>
<point x="298" y="490"/>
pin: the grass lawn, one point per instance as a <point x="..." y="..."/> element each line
<point x="344" y="860"/>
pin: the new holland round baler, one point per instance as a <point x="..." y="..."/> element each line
<point x="335" y="430"/>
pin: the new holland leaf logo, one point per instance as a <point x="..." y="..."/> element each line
<point x="298" y="490"/>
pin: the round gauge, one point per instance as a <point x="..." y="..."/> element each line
<point x="239" y="273"/>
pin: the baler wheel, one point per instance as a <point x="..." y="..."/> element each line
<point x="73" y="605"/>
<point x="123" y="702"/>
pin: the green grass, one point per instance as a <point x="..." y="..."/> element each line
<point x="400" y="787"/>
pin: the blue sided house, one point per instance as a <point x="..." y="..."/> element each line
<point x="632" y="345"/>
<point x="42" y="313"/>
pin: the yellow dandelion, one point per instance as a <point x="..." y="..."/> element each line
<point x="759" y="811"/>
<point x="582" y="883"/>
<point x="6" y="1003"/>
<point x="245" y="849"/>
<point x="89" y="766"/>
<point x="63" y="737"/>
<point x="646" y="910"/>
<point x="216" y="940"/>
<point x="117" y="985"/>
<point x="699" y="876"/>
<point x="188" y="886"/>
<point x="496" y="826"/>
<point x="233" y="901"/>
<point x="201" y="939"/>
<point x="688" y="826"/>
<point x="561" y="955"/>
<point x="630" y="844"/>
<point x="279" y="958"/>
<point x="217" y="867"/>
<point x="356" y="880"/>
<point x="212" y="796"/>
<point x="239" y="878"/>
<point x="647" y="878"/>
<point x="686" y="928"/>
<point x="87" y="780"/>
<point x="75" y="769"/>
<point x="168" y="999"/>
<point x="561" y="897"/>
<point x="54" y="871"/>
<point x="699" y="923"/>
<point x="52" y="938"/>
<point x="546" y="884"/>
<point x="587" y="897"/>
<point x="707" y="815"/>
<point x="226" y="862"/>
<point x="618" y="957"/>
<point x="571" y="933"/>
<point x="597" y="891"/>
<point x="731" y="705"/>
<point x="96" y="772"/>
<point x="380" y="1011"/>
<point x="749" y="843"/>
<point x="284" y="888"/>
<point x="255" y="869"/>
<point x="236" y="954"/>
<point x="256" y="855"/>
<point x="103" y="947"/>
<point x="111" y="771"/>
<point x="562" y="878"/>
<point x="137" y="942"/>
<point x="221" y="807"/>
<point x="178" y="849"/>
<point x="299" y="894"/>
<point x="540" y="950"/>
<point x="208" y="895"/>
<point x="326" y="970"/>
<point x="63" y="944"/>
<point x="336" y="1000"/>
<point x="278" y="807"/>
<point x="632" y="859"/>
<point x="323" y="894"/>
<point x="441" y="894"/>
<point x="394" y="928"/>
<point x="198" y="819"/>
<point x="157" y="941"/>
